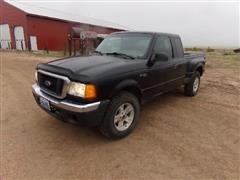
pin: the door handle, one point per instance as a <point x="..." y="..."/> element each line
<point x="176" y="66"/>
<point x="143" y="75"/>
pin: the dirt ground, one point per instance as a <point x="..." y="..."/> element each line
<point x="177" y="137"/>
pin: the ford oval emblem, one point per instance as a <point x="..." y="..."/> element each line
<point x="47" y="83"/>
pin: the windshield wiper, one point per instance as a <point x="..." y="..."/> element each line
<point x="120" y="54"/>
<point x="98" y="52"/>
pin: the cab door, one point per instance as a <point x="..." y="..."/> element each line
<point x="166" y="70"/>
<point x="162" y="73"/>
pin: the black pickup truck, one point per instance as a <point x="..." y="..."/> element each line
<point x="107" y="88"/>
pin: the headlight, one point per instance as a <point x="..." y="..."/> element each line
<point x="36" y="76"/>
<point x="77" y="89"/>
<point x="86" y="91"/>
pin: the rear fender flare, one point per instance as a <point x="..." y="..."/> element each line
<point x="199" y="66"/>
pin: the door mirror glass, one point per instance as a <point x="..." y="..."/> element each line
<point x="157" y="57"/>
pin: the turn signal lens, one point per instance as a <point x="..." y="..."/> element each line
<point x="90" y="91"/>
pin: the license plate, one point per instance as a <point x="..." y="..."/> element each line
<point x="45" y="103"/>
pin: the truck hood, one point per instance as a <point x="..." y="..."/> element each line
<point x="91" y="68"/>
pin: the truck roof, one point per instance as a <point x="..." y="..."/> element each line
<point x="146" y="32"/>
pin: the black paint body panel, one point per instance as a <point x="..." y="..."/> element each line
<point x="111" y="74"/>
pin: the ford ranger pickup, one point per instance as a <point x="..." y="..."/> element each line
<point x="107" y="88"/>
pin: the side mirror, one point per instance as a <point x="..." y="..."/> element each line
<point x="161" y="57"/>
<point x="152" y="60"/>
<point x="157" y="57"/>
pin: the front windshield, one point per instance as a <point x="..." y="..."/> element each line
<point x="133" y="45"/>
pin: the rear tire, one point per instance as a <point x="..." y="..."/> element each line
<point x="121" y="116"/>
<point x="191" y="89"/>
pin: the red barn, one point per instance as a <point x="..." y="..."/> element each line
<point x="24" y="26"/>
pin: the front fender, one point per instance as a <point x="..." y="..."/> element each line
<point x="126" y="85"/>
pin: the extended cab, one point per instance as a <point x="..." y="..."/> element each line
<point x="107" y="88"/>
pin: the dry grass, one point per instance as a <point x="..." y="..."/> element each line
<point x="223" y="59"/>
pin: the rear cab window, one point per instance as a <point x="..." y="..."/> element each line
<point x="179" y="53"/>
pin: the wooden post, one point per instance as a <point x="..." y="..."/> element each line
<point x="46" y="48"/>
<point x="74" y="46"/>
<point x="79" y="46"/>
<point x="70" y="46"/>
<point x="22" y="44"/>
<point x="83" y="46"/>
<point x="29" y="46"/>
<point x="65" y="49"/>
<point x="9" y="45"/>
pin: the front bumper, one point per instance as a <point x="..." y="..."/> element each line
<point x="70" y="106"/>
<point x="74" y="112"/>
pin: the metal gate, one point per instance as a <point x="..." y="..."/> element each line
<point x="5" y="37"/>
<point x="19" y="38"/>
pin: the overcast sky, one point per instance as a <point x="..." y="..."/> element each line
<point x="214" y="24"/>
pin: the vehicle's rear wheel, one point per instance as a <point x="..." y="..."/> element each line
<point x="121" y="116"/>
<point x="191" y="89"/>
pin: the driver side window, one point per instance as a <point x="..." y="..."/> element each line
<point x="163" y="47"/>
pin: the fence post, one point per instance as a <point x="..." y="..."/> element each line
<point x="29" y="45"/>
<point x="70" y="46"/>
<point x="22" y="44"/>
<point x="74" y="46"/>
<point x="46" y="48"/>
<point x="65" y="49"/>
<point x="9" y="45"/>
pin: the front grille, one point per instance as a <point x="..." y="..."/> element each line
<point x="52" y="84"/>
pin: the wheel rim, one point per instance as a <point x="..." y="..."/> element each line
<point x="124" y="116"/>
<point x="196" y="84"/>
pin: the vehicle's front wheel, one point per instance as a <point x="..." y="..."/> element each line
<point x="121" y="116"/>
<point x="191" y="89"/>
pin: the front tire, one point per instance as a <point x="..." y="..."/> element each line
<point x="191" y="89"/>
<point x="121" y="116"/>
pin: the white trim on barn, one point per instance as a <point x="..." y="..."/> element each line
<point x="19" y="38"/>
<point x="33" y="43"/>
<point x="5" y="37"/>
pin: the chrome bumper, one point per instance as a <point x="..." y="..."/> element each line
<point x="64" y="104"/>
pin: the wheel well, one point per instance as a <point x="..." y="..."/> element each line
<point x="135" y="91"/>
<point x="200" y="70"/>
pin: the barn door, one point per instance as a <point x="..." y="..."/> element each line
<point x="19" y="38"/>
<point x="33" y="42"/>
<point x="5" y="38"/>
